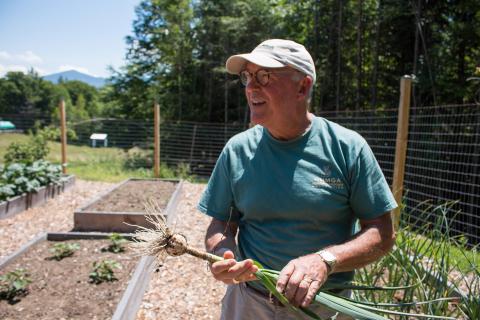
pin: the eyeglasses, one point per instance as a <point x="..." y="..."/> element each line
<point x="262" y="76"/>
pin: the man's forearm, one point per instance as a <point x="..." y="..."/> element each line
<point x="220" y="235"/>
<point x="374" y="241"/>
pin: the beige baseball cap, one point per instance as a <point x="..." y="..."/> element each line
<point x="275" y="53"/>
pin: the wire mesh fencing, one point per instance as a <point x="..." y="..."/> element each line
<point x="25" y="122"/>
<point x="378" y="127"/>
<point x="442" y="166"/>
<point x="442" y="170"/>
<point x="196" y="145"/>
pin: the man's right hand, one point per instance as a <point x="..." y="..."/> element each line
<point x="230" y="271"/>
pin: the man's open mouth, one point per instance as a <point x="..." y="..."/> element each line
<point x="257" y="103"/>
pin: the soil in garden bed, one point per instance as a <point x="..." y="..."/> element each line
<point x="132" y="196"/>
<point x="61" y="289"/>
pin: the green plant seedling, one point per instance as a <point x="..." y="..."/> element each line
<point x="62" y="250"/>
<point x="14" y="284"/>
<point x="116" y="245"/>
<point x="103" y="271"/>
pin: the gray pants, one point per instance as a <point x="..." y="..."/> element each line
<point x="244" y="303"/>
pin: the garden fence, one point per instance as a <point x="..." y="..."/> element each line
<point x="442" y="165"/>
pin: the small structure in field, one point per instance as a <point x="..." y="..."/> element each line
<point x="102" y="138"/>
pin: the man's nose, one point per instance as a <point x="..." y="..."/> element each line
<point x="252" y="84"/>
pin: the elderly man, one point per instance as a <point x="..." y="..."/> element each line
<point x="289" y="191"/>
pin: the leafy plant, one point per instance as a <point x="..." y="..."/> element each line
<point x="424" y="257"/>
<point x="116" y="245"/>
<point x="14" y="284"/>
<point x="138" y="158"/>
<point x="18" y="178"/>
<point x="28" y="152"/>
<point x="63" y="250"/>
<point x="103" y="271"/>
<point x="470" y="300"/>
<point x="6" y="191"/>
<point x="53" y="133"/>
<point x="183" y="171"/>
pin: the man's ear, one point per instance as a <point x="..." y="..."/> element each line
<point x="305" y="86"/>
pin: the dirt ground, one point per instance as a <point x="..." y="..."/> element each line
<point x="61" y="289"/>
<point x="181" y="289"/>
<point x="132" y="196"/>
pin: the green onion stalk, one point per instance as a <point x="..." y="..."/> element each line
<point x="159" y="241"/>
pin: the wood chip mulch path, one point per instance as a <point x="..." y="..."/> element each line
<point x="183" y="288"/>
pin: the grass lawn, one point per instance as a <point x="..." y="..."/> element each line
<point x="97" y="164"/>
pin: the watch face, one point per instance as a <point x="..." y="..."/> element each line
<point x="328" y="257"/>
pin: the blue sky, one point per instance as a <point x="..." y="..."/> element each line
<point x="57" y="35"/>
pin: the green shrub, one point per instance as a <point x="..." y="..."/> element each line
<point x="34" y="149"/>
<point x="137" y="158"/>
<point x="182" y="171"/>
<point x="52" y="133"/>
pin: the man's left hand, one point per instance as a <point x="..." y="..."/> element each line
<point x="301" y="278"/>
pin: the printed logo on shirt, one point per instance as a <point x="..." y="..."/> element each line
<point x="326" y="180"/>
<point x="327" y="171"/>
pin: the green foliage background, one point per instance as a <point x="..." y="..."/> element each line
<point x="177" y="50"/>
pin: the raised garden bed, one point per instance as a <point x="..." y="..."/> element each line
<point x="124" y="205"/>
<point x="62" y="289"/>
<point x="25" y="201"/>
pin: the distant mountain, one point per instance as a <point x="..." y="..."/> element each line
<point x="75" y="75"/>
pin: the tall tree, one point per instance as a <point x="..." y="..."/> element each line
<point x="359" y="54"/>
<point x="361" y="48"/>
<point x="159" y="56"/>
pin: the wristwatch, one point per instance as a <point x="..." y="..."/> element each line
<point x="329" y="258"/>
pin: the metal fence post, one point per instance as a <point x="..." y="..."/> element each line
<point x="63" y="135"/>
<point x="401" y="146"/>
<point x="156" y="123"/>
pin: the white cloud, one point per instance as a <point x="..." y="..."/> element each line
<point x="26" y="56"/>
<point x="4" y="55"/>
<point x="29" y="56"/>
<point x="14" y="67"/>
<point x="67" y="67"/>
<point x="19" y="68"/>
<point x="20" y="62"/>
<point x="40" y="71"/>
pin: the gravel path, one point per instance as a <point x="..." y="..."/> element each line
<point x="181" y="289"/>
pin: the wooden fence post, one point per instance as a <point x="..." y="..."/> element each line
<point x="156" y="132"/>
<point x="401" y="146"/>
<point x="63" y="135"/>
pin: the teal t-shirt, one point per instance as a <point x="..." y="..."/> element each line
<point x="292" y="198"/>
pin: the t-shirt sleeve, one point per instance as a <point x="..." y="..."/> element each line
<point x="370" y="194"/>
<point x="217" y="199"/>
